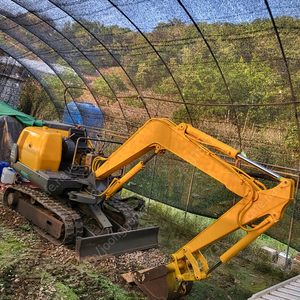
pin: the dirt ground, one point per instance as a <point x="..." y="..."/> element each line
<point x="32" y="268"/>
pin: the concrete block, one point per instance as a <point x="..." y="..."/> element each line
<point x="269" y="254"/>
<point x="282" y="259"/>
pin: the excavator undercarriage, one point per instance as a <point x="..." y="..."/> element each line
<point x="95" y="230"/>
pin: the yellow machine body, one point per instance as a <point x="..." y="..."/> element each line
<point x="40" y="148"/>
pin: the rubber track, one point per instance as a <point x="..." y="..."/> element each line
<point x="73" y="226"/>
<point x="131" y="218"/>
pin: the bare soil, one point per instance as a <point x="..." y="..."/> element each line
<point x="33" y="268"/>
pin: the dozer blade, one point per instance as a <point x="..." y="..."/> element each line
<point x="118" y="243"/>
<point x="159" y="283"/>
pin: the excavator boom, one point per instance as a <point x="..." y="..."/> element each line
<point x="187" y="143"/>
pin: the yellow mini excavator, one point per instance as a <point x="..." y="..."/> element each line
<point x="66" y="179"/>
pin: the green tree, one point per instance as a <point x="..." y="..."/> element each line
<point x="105" y="87"/>
<point x="35" y="101"/>
<point x="86" y="67"/>
<point x="57" y="86"/>
<point x="248" y="82"/>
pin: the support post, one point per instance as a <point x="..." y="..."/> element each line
<point x="291" y="225"/>
<point x="189" y="194"/>
<point x="152" y="179"/>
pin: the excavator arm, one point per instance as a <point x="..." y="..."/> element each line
<point x="257" y="211"/>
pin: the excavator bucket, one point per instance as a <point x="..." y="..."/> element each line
<point x="159" y="283"/>
<point x="93" y="247"/>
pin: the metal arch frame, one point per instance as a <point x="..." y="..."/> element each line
<point x="107" y="83"/>
<point x="296" y="116"/>
<point x="114" y="5"/>
<point x="5" y="75"/>
<point x="38" y="15"/>
<point x="58" y="109"/>
<point x="112" y="55"/>
<point x="114" y="58"/>
<point x="115" y="96"/>
<point x="62" y="56"/>
<point x="38" y="55"/>
<point x="218" y="66"/>
<point x="157" y="53"/>
<point x="32" y="74"/>
<point x="75" y="69"/>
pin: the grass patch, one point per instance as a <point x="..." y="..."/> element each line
<point x="113" y="292"/>
<point x="10" y="250"/>
<point x="241" y="277"/>
<point x="80" y="282"/>
<point x="55" y="290"/>
<point x="109" y="290"/>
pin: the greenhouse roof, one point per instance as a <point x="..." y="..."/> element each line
<point x="184" y="60"/>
